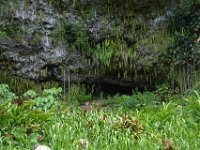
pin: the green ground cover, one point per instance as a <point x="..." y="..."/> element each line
<point x="140" y="121"/>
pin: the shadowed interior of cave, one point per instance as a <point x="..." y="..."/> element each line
<point x="106" y="89"/>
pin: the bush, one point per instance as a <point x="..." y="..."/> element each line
<point x="24" y="119"/>
<point x="78" y="94"/>
<point x="5" y="92"/>
<point x="20" y="125"/>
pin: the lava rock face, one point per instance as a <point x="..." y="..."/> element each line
<point x="33" y="50"/>
<point x="31" y="39"/>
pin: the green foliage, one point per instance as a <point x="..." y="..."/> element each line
<point x="5" y="92"/>
<point x="108" y="128"/>
<point x="114" y="57"/>
<point x="105" y="52"/>
<point x="164" y="93"/>
<point x="192" y="103"/>
<point x="10" y="29"/>
<point x="72" y="34"/>
<point x="24" y="120"/>
<point x="52" y="91"/>
<point x="127" y="49"/>
<point x="9" y="26"/>
<point x="115" y="129"/>
<point x="43" y="101"/>
<point x="47" y="99"/>
<point x="36" y="37"/>
<point x="136" y="100"/>
<point x="130" y="124"/>
<point x="78" y="94"/>
<point x="20" y="85"/>
<point x="113" y="7"/>
<point x="30" y="93"/>
<point x="183" y="54"/>
<point x="2" y="33"/>
<point x="20" y="125"/>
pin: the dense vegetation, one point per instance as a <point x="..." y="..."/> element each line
<point x="159" y="58"/>
<point x="135" y="46"/>
<point x="139" y="121"/>
<point x="168" y="52"/>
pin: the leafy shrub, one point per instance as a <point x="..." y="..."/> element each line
<point x="192" y="107"/>
<point x="130" y="124"/>
<point x="30" y="94"/>
<point x="182" y="55"/>
<point x="78" y="94"/>
<point x="47" y="99"/>
<point x="136" y="100"/>
<point x="5" y="92"/>
<point x="43" y="101"/>
<point x="164" y="93"/>
<point x="20" y="125"/>
<point x="25" y="123"/>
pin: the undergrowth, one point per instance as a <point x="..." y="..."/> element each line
<point x="141" y="121"/>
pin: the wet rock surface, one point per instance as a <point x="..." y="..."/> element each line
<point x="37" y="55"/>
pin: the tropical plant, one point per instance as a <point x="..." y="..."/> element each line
<point x="47" y="99"/>
<point x="20" y="125"/>
<point x="183" y="54"/>
<point x="5" y="92"/>
<point x="78" y="94"/>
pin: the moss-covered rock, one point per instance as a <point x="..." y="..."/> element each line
<point x="87" y="39"/>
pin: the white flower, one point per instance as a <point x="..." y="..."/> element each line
<point x="83" y="143"/>
<point x="41" y="147"/>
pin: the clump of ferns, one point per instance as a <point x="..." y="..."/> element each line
<point x="129" y="124"/>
